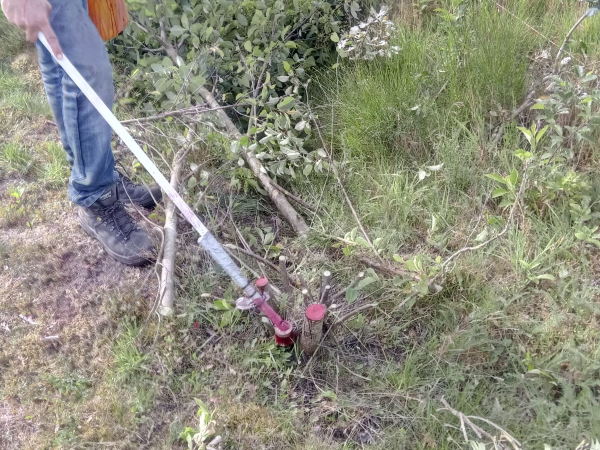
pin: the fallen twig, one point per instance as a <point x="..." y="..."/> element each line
<point x="192" y="110"/>
<point x="28" y="320"/>
<point x="259" y="258"/>
<point x="293" y="197"/>
<point x="480" y="432"/>
<point x="509" y="220"/>
<point x="388" y="269"/>
<point x="338" y="178"/>
<point x="353" y="313"/>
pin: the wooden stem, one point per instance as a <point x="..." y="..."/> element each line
<point x="312" y="332"/>
<point x="285" y="276"/>
<point x="325" y="281"/>
<point x="325" y="295"/>
<point x="167" y="277"/>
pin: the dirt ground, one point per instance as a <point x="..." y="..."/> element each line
<point x="53" y="280"/>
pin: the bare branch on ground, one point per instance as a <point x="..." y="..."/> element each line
<point x="167" y="277"/>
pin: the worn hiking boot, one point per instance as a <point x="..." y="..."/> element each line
<point x="107" y="221"/>
<point x="130" y="192"/>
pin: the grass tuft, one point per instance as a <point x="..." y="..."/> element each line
<point x="15" y="159"/>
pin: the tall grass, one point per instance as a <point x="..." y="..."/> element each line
<point x="500" y="340"/>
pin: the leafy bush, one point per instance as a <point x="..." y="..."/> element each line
<point x="257" y="53"/>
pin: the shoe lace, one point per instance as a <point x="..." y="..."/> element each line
<point x="119" y="220"/>
<point x="127" y="183"/>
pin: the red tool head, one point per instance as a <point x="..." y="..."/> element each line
<point x="285" y="335"/>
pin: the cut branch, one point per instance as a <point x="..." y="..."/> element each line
<point x="353" y="313"/>
<point x="284" y="207"/>
<point x="167" y="277"/>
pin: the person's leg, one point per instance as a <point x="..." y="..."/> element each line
<point x="84" y="133"/>
<point x="52" y="75"/>
<point x="87" y="137"/>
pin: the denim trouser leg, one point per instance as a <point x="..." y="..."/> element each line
<point x="85" y="135"/>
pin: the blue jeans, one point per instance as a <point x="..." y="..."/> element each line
<point x="85" y="135"/>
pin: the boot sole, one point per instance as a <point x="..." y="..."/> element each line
<point x="129" y="261"/>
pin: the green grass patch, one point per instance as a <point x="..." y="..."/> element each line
<point x="21" y="95"/>
<point x="54" y="169"/>
<point x="15" y="159"/>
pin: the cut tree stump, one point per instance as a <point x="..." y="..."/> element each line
<point x="312" y="331"/>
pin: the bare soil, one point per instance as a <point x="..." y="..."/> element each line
<point x="53" y="281"/>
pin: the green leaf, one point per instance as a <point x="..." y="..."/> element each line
<point x="496" y="177"/>
<point x="499" y="192"/>
<point x="248" y="46"/>
<point x="222" y="305"/>
<point x="351" y="295"/>
<point x="307" y="170"/>
<point x="527" y="133"/>
<point x="177" y="30"/>
<point x="242" y="20"/>
<point x="523" y="155"/>
<point x="244" y="141"/>
<point x="367" y="281"/>
<point x="287" y="66"/>
<point x="540" y="134"/>
<point x="513" y="177"/>
<point x="286" y="104"/>
<point x="335" y="38"/>
<point x="545" y="276"/>
<point x="482" y="236"/>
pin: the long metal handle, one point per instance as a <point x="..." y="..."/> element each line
<point x="206" y="240"/>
